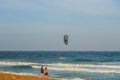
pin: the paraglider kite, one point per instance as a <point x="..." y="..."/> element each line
<point x="66" y="39"/>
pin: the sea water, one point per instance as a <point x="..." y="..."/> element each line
<point x="65" y="65"/>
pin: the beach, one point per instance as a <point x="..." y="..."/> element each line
<point x="5" y="76"/>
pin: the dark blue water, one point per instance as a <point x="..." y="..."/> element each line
<point x="71" y="65"/>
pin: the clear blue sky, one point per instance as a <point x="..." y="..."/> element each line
<point x="40" y="25"/>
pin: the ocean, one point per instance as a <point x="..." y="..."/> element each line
<point x="65" y="65"/>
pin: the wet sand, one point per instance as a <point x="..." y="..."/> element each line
<point x="4" y="76"/>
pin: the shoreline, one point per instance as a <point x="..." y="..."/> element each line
<point x="9" y="76"/>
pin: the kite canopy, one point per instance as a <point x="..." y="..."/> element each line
<point x="66" y="39"/>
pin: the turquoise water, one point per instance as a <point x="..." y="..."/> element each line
<point x="71" y="65"/>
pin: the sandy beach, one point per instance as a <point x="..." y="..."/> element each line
<point x="4" y="76"/>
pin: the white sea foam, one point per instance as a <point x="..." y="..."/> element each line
<point x="83" y="68"/>
<point x="77" y="79"/>
<point x="101" y="68"/>
<point x="62" y="58"/>
<point x="34" y="66"/>
<point x="8" y="63"/>
<point x="73" y="79"/>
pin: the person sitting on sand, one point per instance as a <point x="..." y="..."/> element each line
<point x="46" y="71"/>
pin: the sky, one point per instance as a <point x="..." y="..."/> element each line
<point x="39" y="25"/>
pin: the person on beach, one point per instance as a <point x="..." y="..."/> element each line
<point x="46" y="71"/>
<point x="42" y="70"/>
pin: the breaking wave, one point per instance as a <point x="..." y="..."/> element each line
<point x="83" y="68"/>
<point x="8" y="63"/>
<point x="93" y="68"/>
<point x="73" y="79"/>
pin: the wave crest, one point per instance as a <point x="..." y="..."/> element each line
<point x="7" y="63"/>
<point x="101" y="68"/>
<point x="83" y="68"/>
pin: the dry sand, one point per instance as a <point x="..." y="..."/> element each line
<point x="4" y="76"/>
